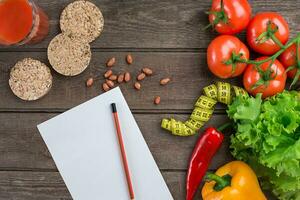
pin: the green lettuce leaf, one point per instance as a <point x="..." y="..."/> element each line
<point x="245" y="109"/>
<point x="267" y="137"/>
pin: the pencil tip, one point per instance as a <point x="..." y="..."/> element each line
<point x="114" y="107"/>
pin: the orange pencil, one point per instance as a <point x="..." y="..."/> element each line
<point x="122" y="149"/>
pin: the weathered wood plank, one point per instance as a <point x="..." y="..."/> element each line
<point x="50" y="186"/>
<point x="21" y="146"/>
<point x="188" y="71"/>
<point x="33" y="186"/>
<point x="158" y="23"/>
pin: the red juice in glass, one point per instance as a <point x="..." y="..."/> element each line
<point x="22" y="22"/>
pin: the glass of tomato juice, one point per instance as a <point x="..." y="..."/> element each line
<point x="22" y="22"/>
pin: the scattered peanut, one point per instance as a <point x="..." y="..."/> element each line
<point x="137" y="85"/>
<point x="165" y="81"/>
<point x="129" y="59"/>
<point x="111" y="62"/>
<point x="89" y="82"/>
<point x="127" y="77"/>
<point x="108" y="73"/>
<point x="120" y="78"/>
<point x="110" y="83"/>
<point x="157" y="100"/>
<point x="113" y="77"/>
<point x="105" y="87"/>
<point x="110" y="77"/>
<point x="141" y="76"/>
<point x="147" y="71"/>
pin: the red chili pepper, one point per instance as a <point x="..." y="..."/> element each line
<point x="206" y="147"/>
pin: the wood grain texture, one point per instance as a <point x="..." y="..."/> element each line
<point x="159" y="23"/>
<point x="21" y="146"/>
<point x="162" y="34"/>
<point x="32" y="186"/>
<point x="50" y="186"/>
<point x="188" y="72"/>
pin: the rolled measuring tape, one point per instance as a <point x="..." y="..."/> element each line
<point x="224" y="93"/>
<point x="177" y="127"/>
<point x="204" y="107"/>
<point x="201" y="114"/>
<point x="193" y="124"/>
<point x="205" y="102"/>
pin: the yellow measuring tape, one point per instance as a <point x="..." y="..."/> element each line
<point x="204" y="107"/>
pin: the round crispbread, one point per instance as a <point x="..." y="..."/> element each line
<point x="68" y="56"/>
<point x="30" y="79"/>
<point x="82" y="20"/>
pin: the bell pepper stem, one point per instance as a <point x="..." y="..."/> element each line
<point x="221" y="182"/>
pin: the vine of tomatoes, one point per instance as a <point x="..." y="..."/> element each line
<point x="267" y="33"/>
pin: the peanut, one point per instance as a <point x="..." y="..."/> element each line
<point x="129" y="59"/>
<point x="111" y="62"/>
<point x="147" y="71"/>
<point x="105" y="87"/>
<point x="110" y="83"/>
<point x="127" y="77"/>
<point x="113" y="77"/>
<point x="157" y="100"/>
<point x="89" y="82"/>
<point x="141" y="76"/>
<point x="120" y="78"/>
<point x="137" y="85"/>
<point x="108" y="73"/>
<point x="165" y="81"/>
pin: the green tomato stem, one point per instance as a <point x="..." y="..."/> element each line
<point x="273" y="57"/>
<point x="297" y="66"/>
<point x="297" y="53"/>
<point x="220" y="16"/>
<point x="278" y="42"/>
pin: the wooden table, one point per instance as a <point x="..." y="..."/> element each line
<point x="163" y="34"/>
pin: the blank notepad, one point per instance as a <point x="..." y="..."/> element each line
<point x="84" y="146"/>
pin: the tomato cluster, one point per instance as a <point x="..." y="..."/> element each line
<point x="267" y="34"/>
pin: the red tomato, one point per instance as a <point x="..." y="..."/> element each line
<point x="288" y="59"/>
<point x="220" y="50"/>
<point x="275" y="80"/>
<point x="232" y="18"/>
<point x="259" y="24"/>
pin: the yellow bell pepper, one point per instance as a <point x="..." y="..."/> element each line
<point x="233" y="181"/>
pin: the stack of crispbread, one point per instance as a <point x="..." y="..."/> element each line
<point x="69" y="52"/>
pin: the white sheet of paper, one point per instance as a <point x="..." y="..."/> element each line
<point x="84" y="146"/>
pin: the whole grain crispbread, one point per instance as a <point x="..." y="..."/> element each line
<point x="68" y="56"/>
<point x="30" y="79"/>
<point x="82" y="20"/>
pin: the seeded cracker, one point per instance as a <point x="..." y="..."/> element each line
<point x="30" y="79"/>
<point x="82" y="20"/>
<point x="67" y="56"/>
